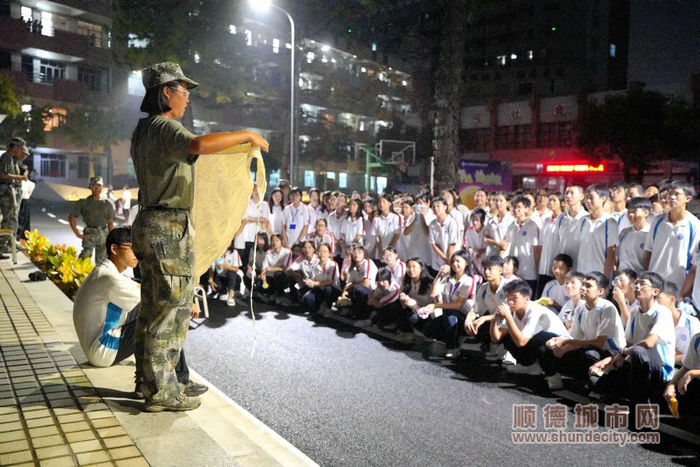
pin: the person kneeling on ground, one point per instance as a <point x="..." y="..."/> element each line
<point x="524" y="327"/>
<point x="106" y="308"/>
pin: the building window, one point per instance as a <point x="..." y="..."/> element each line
<point x="134" y="84"/>
<point x="92" y="77"/>
<point x="92" y="31"/>
<point x="381" y="184"/>
<point x="342" y="180"/>
<point x="135" y="43"/>
<point x="513" y="137"/>
<point x="26" y="13"/>
<point x="555" y="134"/>
<point x="53" y="165"/>
<point x="309" y="179"/>
<point x="613" y="50"/>
<point x="56" y="116"/>
<point x="50" y="71"/>
<point x="46" y="24"/>
<point x="330" y="175"/>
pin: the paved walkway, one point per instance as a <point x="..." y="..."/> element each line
<point x="57" y="410"/>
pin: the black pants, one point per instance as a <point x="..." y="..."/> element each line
<point x="227" y="282"/>
<point x="531" y="352"/>
<point x="447" y="327"/>
<point x="245" y="252"/>
<point x="641" y="376"/>
<point x="126" y="348"/>
<point x="689" y="403"/>
<point x="23" y="219"/>
<point x="313" y="298"/>
<point x="575" y="363"/>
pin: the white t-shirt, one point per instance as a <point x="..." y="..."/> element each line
<point x="230" y="258"/>
<point x="596" y="236"/>
<point x="99" y="312"/>
<point x="126" y="199"/>
<point x="327" y="273"/>
<point x="277" y="260"/>
<point x="249" y="230"/>
<point x="686" y="328"/>
<point x="696" y="284"/>
<point x="496" y="230"/>
<point x="276" y="218"/>
<point x="549" y="239"/>
<point x="386" y="296"/>
<point x="539" y="219"/>
<point x="691" y="360"/>
<point x="336" y="223"/>
<point x="621" y="219"/>
<point x="569" y="234"/>
<point x="366" y="270"/>
<point x="351" y="228"/>
<point x="443" y="235"/>
<point x="475" y="241"/>
<point x="327" y="238"/>
<point x="536" y="319"/>
<point x="452" y="289"/>
<point x="458" y="216"/>
<point x="415" y="244"/>
<point x="554" y="290"/>
<point x="370" y="239"/>
<point x="386" y="227"/>
<point x="304" y="267"/>
<point x="522" y="241"/>
<point x="602" y="320"/>
<point x="295" y="218"/>
<point x="397" y="272"/>
<point x="658" y="321"/>
<point x="486" y="302"/>
<point x="566" y="313"/>
<point x="672" y="246"/>
<point x="630" y="248"/>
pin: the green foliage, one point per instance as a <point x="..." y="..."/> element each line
<point x="640" y="127"/>
<point x="92" y="127"/>
<point x="28" y="125"/>
<point x="9" y="104"/>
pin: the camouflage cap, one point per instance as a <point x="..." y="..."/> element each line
<point x="17" y="141"/>
<point x="165" y="72"/>
<point x="96" y="181"/>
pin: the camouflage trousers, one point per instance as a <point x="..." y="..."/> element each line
<point x="97" y="237"/>
<point x="163" y="242"/>
<point x="10" y="197"/>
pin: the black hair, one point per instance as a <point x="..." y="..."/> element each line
<point x="325" y="222"/>
<point x="622" y="185"/>
<point x="519" y="286"/>
<point x="638" y="203"/>
<point x="637" y="186"/>
<point x="687" y="188"/>
<point x="522" y="199"/>
<point x="327" y="246"/>
<point x="630" y="273"/>
<point x="575" y="275"/>
<point x="117" y="236"/>
<point x="384" y="274"/>
<point x="271" y="202"/>
<point x="425" y="279"/>
<point x="359" y="212"/>
<point x="566" y="259"/>
<point x="465" y="256"/>
<point x="670" y="289"/>
<point x="155" y="102"/>
<point x="656" y="280"/>
<point x="407" y="201"/>
<point x="480" y="213"/>
<point x="600" y="190"/>
<point x="493" y="260"/>
<point x="352" y="260"/>
<point x="514" y="260"/>
<point x="438" y="199"/>
<point x="263" y="235"/>
<point x="599" y="279"/>
<point x="390" y="248"/>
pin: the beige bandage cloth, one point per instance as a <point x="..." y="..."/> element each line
<point x="223" y="185"/>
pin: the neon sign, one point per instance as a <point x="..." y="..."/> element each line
<point x="574" y="168"/>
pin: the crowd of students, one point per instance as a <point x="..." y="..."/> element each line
<point x="598" y="284"/>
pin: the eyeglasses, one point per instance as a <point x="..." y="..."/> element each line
<point x="641" y="284"/>
<point x="183" y="91"/>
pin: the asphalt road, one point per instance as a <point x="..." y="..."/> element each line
<point x="346" y="398"/>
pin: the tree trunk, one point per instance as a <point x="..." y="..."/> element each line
<point x="448" y="93"/>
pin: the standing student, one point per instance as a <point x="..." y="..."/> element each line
<point x="474" y="241"/>
<point x="336" y="221"/>
<point x="618" y="199"/>
<point x="98" y="215"/>
<point x="597" y="235"/>
<point x="498" y="225"/>
<point x="256" y="217"/>
<point x="370" y="241"/>
<point x="387" y="225"/>
<point x="353" y="227"/>
<point x="523" y="241"/>
<point x="674" y="237"/>
<point x="296" y="220"/>
<point x="276" y="209"/>
<point x="451" y="201"/>
<point x="630" y="245"/>
<point x="442" y="236"/>
<point x="541" y="211"/>
<point x="549" y="238"/>
<point x="416" y="233"/>
<point x="568" y="224"/>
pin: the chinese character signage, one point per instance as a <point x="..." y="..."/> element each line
<point x="488" y="176"/>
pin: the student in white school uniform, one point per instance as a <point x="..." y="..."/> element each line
<point x="569" y="223"/>
<point x="522" y="240"/>
<point x="273" y="276"/>
<point x="391" y="260"/>
<point x="549" y="238"/>
<point x="276" y="208"/>
<point x="554" y="291"/>
<point x="684" y="388"/>
<point x="685" y="324"/>
<point x="324" y="285"/>
<point x="336" y="221"/>
<point x="618" y="200"/>
<point x="497" y="226"/>
<point x="450" y="198"/>
<point x="360" y="282"/>
<point x="314" y="208"/>
<point x="383" y="304"/>
<point x="474" y="241"/>
<point x="442" y="236"/>
<point x="415" y="233"/>
<point x="573" y="286"/>
<point x="630" y="245"/>
<point x="488" y="297"/>
<point x="369" y="208"/>
<point x="415" y="293"/>
<point x="541" y="210"/>
<point x="296" y="220"/>
<point x="623" y="292"/>
<point x="387" y="225"/>
<point x="225" y="275"/>
<point x="256" y="217"/>
<point x="596" y="333"/>
<point x="300" y="269"/>
<point x="322" y="235"/>
<point x="673" y="237"/>
<point x="597" y="235"/>
<point x="651" y="342"/>
<point x="353" y="227"/>
<point x="691" y="286"/>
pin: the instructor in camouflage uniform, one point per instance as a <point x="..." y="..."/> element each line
<point x="98" y="215"/>
<point x="11" y="178"/>
<point x="163" y="152"/>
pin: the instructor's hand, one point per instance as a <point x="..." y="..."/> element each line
<point x="257" y="140"/>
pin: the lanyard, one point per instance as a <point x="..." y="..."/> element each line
<point x="454" y="289"/>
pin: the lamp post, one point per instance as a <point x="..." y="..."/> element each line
<point x="264" y="5"/>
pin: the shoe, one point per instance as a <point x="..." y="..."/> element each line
<point x="533" y="370"/>
<point x="495" y="353"/>
<point x="4" y="256"/>
<point x="138" y="392"/>
<point x="554" y="382"/>
<point x="508" y="359"/>
<point x="223" y="297"/>
<point x="192" y="389"/>
<point x="362" y="323"/>
<point x="181" y="403"/>
<point x="231" y="302"/>
<point x="215" y="296"/>
<point x="452" y="353"/>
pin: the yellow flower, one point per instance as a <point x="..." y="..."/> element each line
<point x="66" y="272"/>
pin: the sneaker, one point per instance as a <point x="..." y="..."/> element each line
<point x="223" y="297"/>
<point x="508" y="359"/>
<point x="554" y="382"/>
<point x="231" y="302"/>
<point x="181" y="403"/>
<point x="533" y="370"/>
<point x="192" y="389"/>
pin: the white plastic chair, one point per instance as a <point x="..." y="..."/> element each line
<point x="200" y="297"/>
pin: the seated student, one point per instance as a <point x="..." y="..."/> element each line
<point x="623" y="292"/>
<point x="474" y="241"/>
<point x="651" y="342"/>
<point x="298" y="271"/>
<point x="224" y="276"/>
<point x="395" y="265"/>
<point x="451" y="290"/>
<point x="573" y="286"/>
<point x="524" y="327"/>
<point x="345" y="264"/>
<point x="106" y="308"/>
<point x="554" y="289"/>
<point x="489" y="296"/>
<point x="510" y="268"/>
<point x="261" y="246"/>
<point x="686" y="326"/>
<point x="685" y="385"/>
<point x="324" y="285"/>
<point x="415" y="293"/>
<point x="382" y="303"/>
<point x="596" y="333"/>
<point x="630" y="244"/>
<point x="360" y="282"/>
<point x="273" y="275"/>
<point x="321" y="234"/>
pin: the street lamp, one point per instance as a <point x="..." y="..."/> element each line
<point x="264" y="5"/>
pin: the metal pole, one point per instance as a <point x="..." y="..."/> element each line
<point x="292" y="85"/>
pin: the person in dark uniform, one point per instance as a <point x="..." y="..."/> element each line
<point x="98" y="215"/>
<point x="11" y="178"/>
